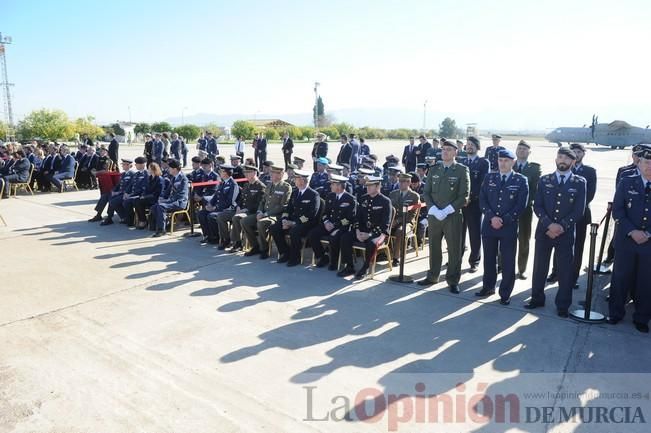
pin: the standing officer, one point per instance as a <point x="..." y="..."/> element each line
<point x="503" y="198"/>
<point x="447" y="189"/>
<point x="320" y="148"/>
<point x="211" y="146"/>
<point x="371" y="229"/>
<point x="423" y="147"/>
<point x="530" y="170"/>
<point x="247" y="205"/>
<point x="261" y="149"/>
<point x="288" y="149"/>
<point x="337" y="219"/>
<point x="434" y="150"/>
<point x="478" y="168"/>
<point x="272" y="205"/>
<point x="492" y="152"/>
<point x="632" y="211"/>
<point x="590" y="175"/>
<point x="559" y="204"/>
<point x="148" y="151"/>
<point x="113" y="149"/>
<point x="401" y="197"/>
<point x="158" y="148"/>
<point x="298" y="219"/>
<point x="409" y="156"/>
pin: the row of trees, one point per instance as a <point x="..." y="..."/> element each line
<point x="55" y="125"/>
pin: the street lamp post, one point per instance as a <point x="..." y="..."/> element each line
<point x="316" y="105"/>
<point x="183" y="115"/>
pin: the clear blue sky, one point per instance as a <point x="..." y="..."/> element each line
<point x="507" y="64"/>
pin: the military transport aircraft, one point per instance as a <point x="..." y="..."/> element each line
<point x="617" y="134"/>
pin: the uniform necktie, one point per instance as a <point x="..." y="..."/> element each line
<point x="647" y="190"/>
<point x="562" y="182"/>
<point x="503" y="180"/>
<point x="519" y="168"/>
<point x="446" y="169"/>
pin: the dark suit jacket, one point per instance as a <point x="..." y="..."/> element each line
<point x="113" y="150"/>
<point x="409" y="158"/>
<point x="288" y="145"/>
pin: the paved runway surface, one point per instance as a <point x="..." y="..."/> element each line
<point x="104" y="329"/>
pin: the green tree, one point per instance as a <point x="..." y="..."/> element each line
<point x="242" y="128"/>
<point x="448" y="128"/>
<point x="86" y="126"/>
<point x="318" y="109"/>
<point x="189" y="132"/>
<point x="4" y="130"/>
<point x="142" y="128"/>
<point x="214" y="128"/>
<point x="271" y="133"/>
<point x="161" y="127"/>
<point x="46" y="124"/>
<point x="118" y="129"/>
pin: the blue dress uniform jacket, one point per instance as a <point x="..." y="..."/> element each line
<point x="225" y="198"/>
<point x="506" y="201"/>
<point x="319" y="182"/>
<point x="491" y="155"/>
<point x="157" y="151"/>
<point x="632" y="267"/>
<point x="340" y="212"/>
<point x="564" y="205"/>
<point x="178" y="191"/>
<point x="126" y="178"/>
<point x="477" y="168"/>
<point x="374" y="215"/>
<point x="303" y="208"/>
<point x="67" y="167"/>
<point x="20" y="170"/>
<point x="211" y="147"/>
<point x="175" y="149"/>
<point x="139" y="183"/>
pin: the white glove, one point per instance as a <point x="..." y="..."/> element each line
<point x="433" y="210"/>
<point x="448" y="210"/>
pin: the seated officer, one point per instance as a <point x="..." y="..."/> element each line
<point x="319" y="180"/>
<point x="298" y="162"/>
<point x="247" y="205"/>
<point x="119" y="193"/>
<point x="370" y="230"/>
<point x="298" y="219"/>
<point x="18" y="173"/>
<point x="177" y="197"/>
<point x="272" y="205"/>
<point x="50" y="165"/>
<point x="66" y="169"/>
<point x="401" y="197"/>
<point x="265" y="177"/>
<point x="126" y="209"/>
<point x="632" y="246"/>
<point x="502" y="199"/>
<point x="225" y="206"/>
<point x="196" y="175"/>
<point x="201" y="194"/>
<point x="360" y="184"/>
<point x="155" y="187"/>
<point x="390" y="183"/>
<point x="87" y="162"/>
<point x="337" y="219"/>
<point x="236" y="162"/>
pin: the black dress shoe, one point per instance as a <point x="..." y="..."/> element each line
<point x="563" y="313"/>
<point x="612" y="321"/>
<point x="499" y="270"/>
<point x="521" y="276"/>
<point x="264" y="255"/>
<point x="158" y="234"/>
<point x="395" y="262"/>
<point x="95" y="219"/>
<point x="506" y="301"/>
<point x="533" y="305"/>
<point x="348" y="270"/>
<point x="203" y="241"/>
<point x="484" y="292"/>
<point x="332" y="267"/>
<point x="473" y="269"/>
<point x="552" y="278"/>
<point x="426" y="282"/>
<point x="252" y="252"/>
<point x="284" y="258"/>
<point x="323" y="262"/>
<point x="361" y="273"/>
<point x="222" y="247"/>
<point x="237" y="246"/>
<point x="642" y="327"/>
<point x="454" y="289"/>
<point x="106" y="222"/>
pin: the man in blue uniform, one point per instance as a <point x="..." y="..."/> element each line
<point x="211" y="146"/>
<point x="503" y="198"/>
<point x="492" y="152"/>
<point x="371" y="228"/>
<point x="300" y="216"/>
<point x="319" y="149"/>
<point x="117" y="195"/>
<point x="337" y="219"/>
<point x="559" y="204"/>
<point x="176" y="199"/>
<point x="632" y="211"/>
<point x="319" y="179"/>
<point x="472" y="213"/>
<point x="126" y="209"/>
<point x="219" y="211"/>
<point x="423" y="147"/>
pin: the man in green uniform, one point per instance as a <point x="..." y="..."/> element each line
<point x="447" y="189"/>
<point x="274" y="201"/>
<point x="401" y="197"/>
<point x="532" y="171"/>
